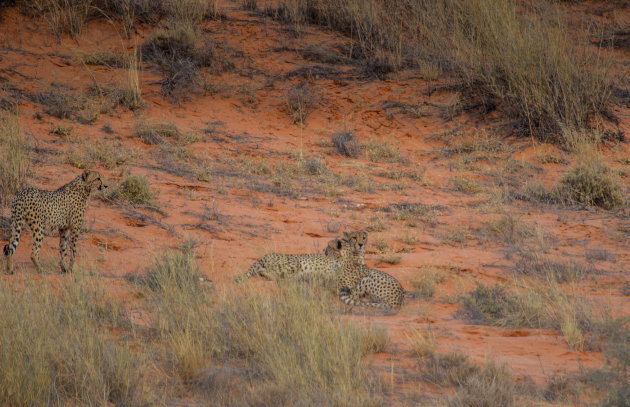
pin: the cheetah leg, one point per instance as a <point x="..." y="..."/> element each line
<point x="38" y="236"/>
<point x="74" y="237"/>
<point x="11" y="247"/>
<point x="63" y="248"/>
<point x="266" y="274"/>
<point x="254" y="270"/>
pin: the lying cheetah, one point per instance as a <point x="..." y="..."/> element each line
<point x="47" y="212"/>
<point x="275" y="265"/>
<point x="376" y="289"/>
<point x="358" y="284"/>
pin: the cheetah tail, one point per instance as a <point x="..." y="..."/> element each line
<point x="16" y="232"/>
<point x="254" y="270"/>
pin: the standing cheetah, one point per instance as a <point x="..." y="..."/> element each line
<point x="275" y="265"/>
<point x="47" y="212"/>
<point x="358" y="284"/>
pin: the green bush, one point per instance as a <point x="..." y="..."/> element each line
<point x="591" y="182"/>
<point x="134" y="189"/>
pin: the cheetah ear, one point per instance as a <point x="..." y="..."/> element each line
<point x="85" y="175"/>
<point x="346" y="234"/>
<point x="339" y="244"/>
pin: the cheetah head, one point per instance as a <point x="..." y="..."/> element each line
<point x="357" y="239"/>
<point x="93" y="180"/>
<point x="337" y="248"/>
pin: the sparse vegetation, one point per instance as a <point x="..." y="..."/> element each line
<point x="14" y="156"/>
<point x="456" y="237"/>
<point x="449" y="369"/>
<point x="536" y="266"/>
<point x="60" y="102"/>
<point x="490" y="386"/>
<point x="391" y="258"/>
<point x="422" y="342"/>
<point x="87" y="154"/>
<point x="177" y="57"/>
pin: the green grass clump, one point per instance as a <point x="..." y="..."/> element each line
<point x="134" y="189"/>
<point x="591" y="182"/>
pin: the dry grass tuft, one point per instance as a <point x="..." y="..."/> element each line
<point x="489" y="45"/>
<point x="426" y="281"/>
<point x="14" y="156"/>
<point x="539" y="305"/>
<point x="56" y="347"/>
<point x="490" y="386"/>
<point x="301" y="99"/>
<point x="88" y="154"/>
<point x="282" y="340"/>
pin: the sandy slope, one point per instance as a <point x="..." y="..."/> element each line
<point x="235" y="224"/>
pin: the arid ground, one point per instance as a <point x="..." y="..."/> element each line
<point x="262" y="136"/>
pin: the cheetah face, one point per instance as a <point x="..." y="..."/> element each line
<point x="93" y="180"/>
<point x="357" y="239"/>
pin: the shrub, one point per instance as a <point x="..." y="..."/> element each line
<point x="155" y="132"/>
<point x="134" y="189"/>
<point x="449" y="369"/>
<point x="491" y="386"/>
<point x="347" y="143"/>
<point x="301" y="99"/>
<point x="382" y="151"/>
<point x="14" y="157"/>
<point x="425" y="282"/>
<point x="174" y="52"/>
<point x="591" y="182"/>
